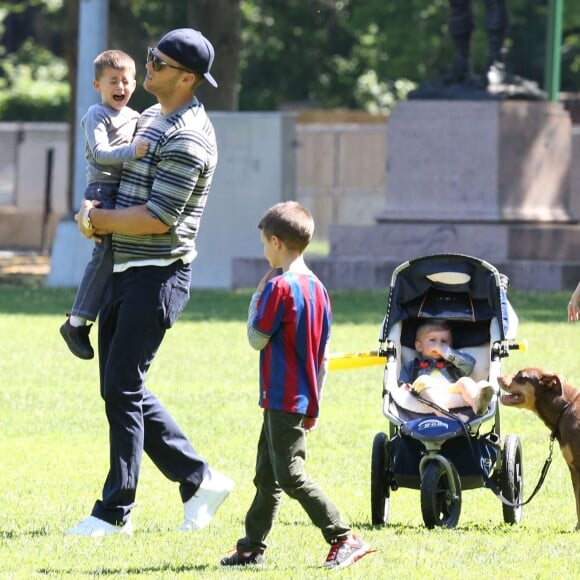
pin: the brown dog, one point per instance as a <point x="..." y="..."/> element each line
<point x="557" y="404"/>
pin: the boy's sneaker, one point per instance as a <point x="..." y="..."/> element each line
<point x="95" y="527"/>
<point x="243" y="559"/>
<point x="345" y="552"/>
<point x="200" y="509"/>
<point x="77" y="339"/>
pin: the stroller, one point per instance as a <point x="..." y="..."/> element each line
<point x="443" y="454"/>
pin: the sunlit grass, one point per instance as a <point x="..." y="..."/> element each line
<point x="54" y="454"/>
<point x="318" y="248"/>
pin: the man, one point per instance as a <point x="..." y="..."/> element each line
<point x="461" y="25"/>
<point x="154" y="225"/>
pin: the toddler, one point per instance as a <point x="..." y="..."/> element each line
<point x="439" y="367"/>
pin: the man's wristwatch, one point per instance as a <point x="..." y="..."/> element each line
<point x="86" y="220"/>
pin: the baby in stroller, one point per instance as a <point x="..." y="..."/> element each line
<point x="439" y="371"/>
<point x="447" y="296"/>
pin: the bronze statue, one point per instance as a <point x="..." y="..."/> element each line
<point x="495" y="82"/>
<point x="461" y="25"/>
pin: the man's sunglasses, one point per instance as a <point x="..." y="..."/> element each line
<point x="159" y="64"/>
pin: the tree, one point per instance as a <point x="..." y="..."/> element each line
<point x="148" y="20"/>
<point x="358" y="54"/>
<point x="298" y="52"/>
<point x="33" y="81"/>
<point x="368" y="53"/>
<point x="133" y="24"/>
<point x="221" y="22"/>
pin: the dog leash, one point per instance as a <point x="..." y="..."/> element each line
<point x="544" y="472"/>
<point x="491" y="485"/>
<point x="487" y="481"/>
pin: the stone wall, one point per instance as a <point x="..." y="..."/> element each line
<point x="497" y="180"/>
<point x="33" y="182"/>
<point x="340" y="174"/>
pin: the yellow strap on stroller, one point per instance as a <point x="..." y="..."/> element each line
<point x="340" y="361"/>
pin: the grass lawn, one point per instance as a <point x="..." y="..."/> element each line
<point x="54" y="454"/>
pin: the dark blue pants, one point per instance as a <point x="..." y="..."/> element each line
<point x="139" y="306"/>
<point x="99" y="269"/>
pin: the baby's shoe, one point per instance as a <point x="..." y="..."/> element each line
<point x="420" y="384"/>
<point x="482" y="401"/>
<point x="77" y="339"/>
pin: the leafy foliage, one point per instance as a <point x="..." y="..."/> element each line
<point x="34" y="86"/>
<point x="369" y="54"/>
<point x="353" y="54"/>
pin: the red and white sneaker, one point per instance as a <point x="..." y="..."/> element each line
<point x="345" y="552"/>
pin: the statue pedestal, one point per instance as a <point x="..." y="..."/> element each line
<point x="485" y="178"/>
<point x="478" y="161"/>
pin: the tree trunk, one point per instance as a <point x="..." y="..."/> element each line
<point x="219" y="21"/>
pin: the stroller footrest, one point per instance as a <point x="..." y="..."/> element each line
<point x="432" y="428"/>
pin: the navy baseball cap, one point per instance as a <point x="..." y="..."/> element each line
<point x="191" y="49"/>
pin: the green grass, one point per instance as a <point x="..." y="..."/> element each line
<point x="318" y="247"/>
<point x="53" y="454"/>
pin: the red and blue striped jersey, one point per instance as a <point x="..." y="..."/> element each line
<point x="294" y="311"/>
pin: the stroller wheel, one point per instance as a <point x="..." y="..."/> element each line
<point x="512" y="479"/>
<point x="380" y="480"/>
<point x="439" y="506"/>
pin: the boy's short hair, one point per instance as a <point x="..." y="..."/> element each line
<point x="289" y="221"/>
<point x="115" y="59"/>
<point x="432" y="324"/>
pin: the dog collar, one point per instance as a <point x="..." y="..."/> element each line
<point x="554" y="433"/>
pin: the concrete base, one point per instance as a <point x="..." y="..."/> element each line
<point x="478" y="160"/>
<point x="489" y="179"/>
<point x="499" y="242"/>
<point x="375" y="273"/>
<point x="343" y="274"/>
<point x="27" y="230"/>
<point x="534" y="256"/>
<point x="256" y="170"/>
<point x="70" y="254"/>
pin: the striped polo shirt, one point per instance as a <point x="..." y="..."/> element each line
<point x="173" y="179"/>
<point x="294" y="310"/>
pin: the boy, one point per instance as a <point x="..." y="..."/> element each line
<point x="289" y="321"/>
<point x="109" y="127"/>
<point x="440" y="365"/>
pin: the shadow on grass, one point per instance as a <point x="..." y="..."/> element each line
<point x="349" y="307"/>
<point x="204" y="305"/>
<point x="483" y="527"/>
<point x="124" y="571"/>
<point x="13" y="534"/>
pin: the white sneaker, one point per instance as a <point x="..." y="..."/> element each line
<point x="94" y="527"/>
<point x="200" y="509"/>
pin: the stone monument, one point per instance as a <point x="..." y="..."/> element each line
<point x="476" y="165"/>
<point x="485" y="178"/>
<point x="494" y="82"/>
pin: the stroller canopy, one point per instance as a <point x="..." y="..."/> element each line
<point x="456" y="287"/>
